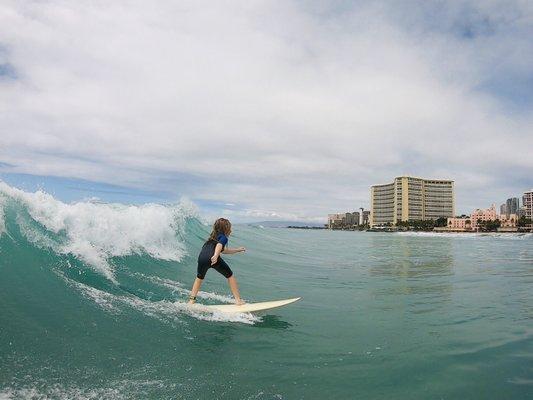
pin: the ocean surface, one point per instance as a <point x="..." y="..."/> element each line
<point x="92" y="306"/>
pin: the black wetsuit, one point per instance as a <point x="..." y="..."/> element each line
<point x="204" y="258"/>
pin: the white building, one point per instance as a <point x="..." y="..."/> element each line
<point x="527" y="201"/>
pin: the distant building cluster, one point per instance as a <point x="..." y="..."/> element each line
<point x="349" y="220"/>
<point x="430" y="204"/>
<point x="511" y="206"/>
<point x="511" y="218"/>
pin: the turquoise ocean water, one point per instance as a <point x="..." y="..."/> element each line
<point x="92" y="307"/>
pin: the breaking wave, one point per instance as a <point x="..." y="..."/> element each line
<point x="111" y="254"/>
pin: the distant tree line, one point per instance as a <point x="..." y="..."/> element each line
<point x="491" y="226"/>
<point x="305" y="227"/>
<point x="488" y="226"/>
<point x="423" y="224"/>
<point x="523" y="221"/>
<point x="346" y="227"/>
<point x="429" y="224"/>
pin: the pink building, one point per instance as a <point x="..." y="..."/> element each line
<point x="488" y="214"/>
<point x="459" y="224"/>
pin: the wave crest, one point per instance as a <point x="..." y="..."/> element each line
<point x="95" y="232"/>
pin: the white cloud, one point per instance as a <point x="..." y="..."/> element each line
<point x="271" y="105"/>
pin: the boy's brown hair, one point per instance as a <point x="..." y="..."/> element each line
<point x="221" y="225"/>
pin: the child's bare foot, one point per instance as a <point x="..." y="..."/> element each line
<point x="192" y="300"/>
<point x="239" y="302"/>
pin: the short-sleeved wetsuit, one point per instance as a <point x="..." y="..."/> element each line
<point x="204" y="259"/>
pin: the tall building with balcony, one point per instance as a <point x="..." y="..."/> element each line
<point x="365" y="216"/>
<point x="527" y="201"/>
<point x="383" y="200"/>
<point x="409" y="198"/>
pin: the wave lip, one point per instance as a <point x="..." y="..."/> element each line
<point x="2" y="216"/>
<point x="95" y="232"/>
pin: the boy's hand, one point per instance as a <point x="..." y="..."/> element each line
<point x="241" y="249"/>
<point x="214" y="260"/>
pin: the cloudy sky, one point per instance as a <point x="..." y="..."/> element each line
<point x="266" y="109"/>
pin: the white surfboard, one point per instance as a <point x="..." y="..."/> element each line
<point x="251" y="307"/>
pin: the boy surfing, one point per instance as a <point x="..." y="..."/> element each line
<point x="209" y="257"/>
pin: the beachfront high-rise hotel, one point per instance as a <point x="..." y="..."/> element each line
<point x="409" y="198"/>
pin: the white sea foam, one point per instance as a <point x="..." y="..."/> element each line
<point x="165" y="311"/>
<point x="60" y="392"/>
<point x="115" y="390"/>
<point x="94" y="232"/>
<point x="178" y="288"/>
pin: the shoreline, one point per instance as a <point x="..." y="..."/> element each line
<point x="306" y="227"/>
<point x="390" y="230"/>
